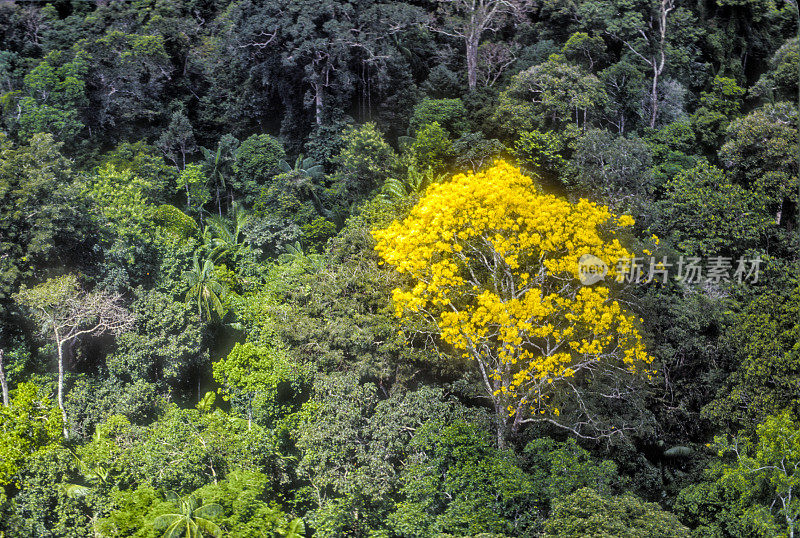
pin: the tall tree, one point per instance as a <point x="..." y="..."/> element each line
<point x="554" y="94"/>
<point x="469" y="20"/>
<point x="315" y="54"/>
<point x="177" y="141"/>
<point x="127" y="78"/>
<point x="45" y="218"/>
<point x="29" y="427"/>
<point x="66" y="312"/>
<point x="753" y="486"/>
<point x="653" y="50"/>
<point x="221" y="164"/>
<point x="761" y="154"/>
<point x="657" y="33"/>
<point x="54" y="96"/>
<point x="256" y="161"/>
<point x="495" y="269"/>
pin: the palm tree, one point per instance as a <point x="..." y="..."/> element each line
<point x="294" y="253"/>
<point x="415" y="184"/>
<point x="221" y="165"/>
<point x="302" y="178"/>
<point x="204" y="288"/>
<point x="306" y="167"/>
<point x="293" y="529"/>
<point x="95" y="476"/>
<point x="190" y="520"/>
<point x="224" y="237"/>
<point x="213" y="160"/>
<point x="207" y="237"/>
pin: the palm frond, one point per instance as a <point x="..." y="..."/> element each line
<point x="206" y="404"/>
<point x="177" y="529"/>
<point x="75" y="491"/>
<point x="166" y="521"/>
<point x="217" y="306"/>
<point x="209" y="527"/>
<point x="314" y="171"/>
<point x="208" y="510"/>
<point x="207" y="155"/>
<point x="394" y="189"/>
<point x="192" y="502"/>
<point x="296" y="528"/>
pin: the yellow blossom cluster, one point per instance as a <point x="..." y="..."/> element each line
<point x="494" y="263"/>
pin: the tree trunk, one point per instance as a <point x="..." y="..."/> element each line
<point x="318" y="102"/>
<point x="3" y="384"/>
<point x="658" y="64"/>
<point x="502" y="426"/>
<point x="472" y="60"/>
<point x="654" y="97"/>
<point x="60" y="346"/>
<point x="250" y="414"/>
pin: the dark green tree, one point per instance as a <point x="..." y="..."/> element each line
<point x="45" y="220"/>
<point x="54" y="97"/>
<point x="256" y="162"/>
<point x="706" y="214"/>
<point x="588" y="513"/>
<point x="448" y="113"/>
<point x="554" y="94"/>
<point x="364" y="162"/>
<point x="761" y="154"/>
<point x="177" y="141"/>
<point x="764" y="361"/>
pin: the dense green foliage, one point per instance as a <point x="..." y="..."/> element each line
<point x="197" y="337"/>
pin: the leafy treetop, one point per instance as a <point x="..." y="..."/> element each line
<point x="494" y="266"/>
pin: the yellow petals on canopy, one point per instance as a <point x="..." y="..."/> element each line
<point x="494" y="263"/>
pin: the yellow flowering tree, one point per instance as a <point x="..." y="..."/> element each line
<point x="494" y="265"/>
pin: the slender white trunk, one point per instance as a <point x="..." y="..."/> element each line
<point x="654" y="97"/>
<point x="318" y="102"/>
<point x="502" y="426"/>
<point x="60" y="346"/>
<point x="658" y="63"/>
<point x="3" y="384"/>
<point x="472" y="43"/>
